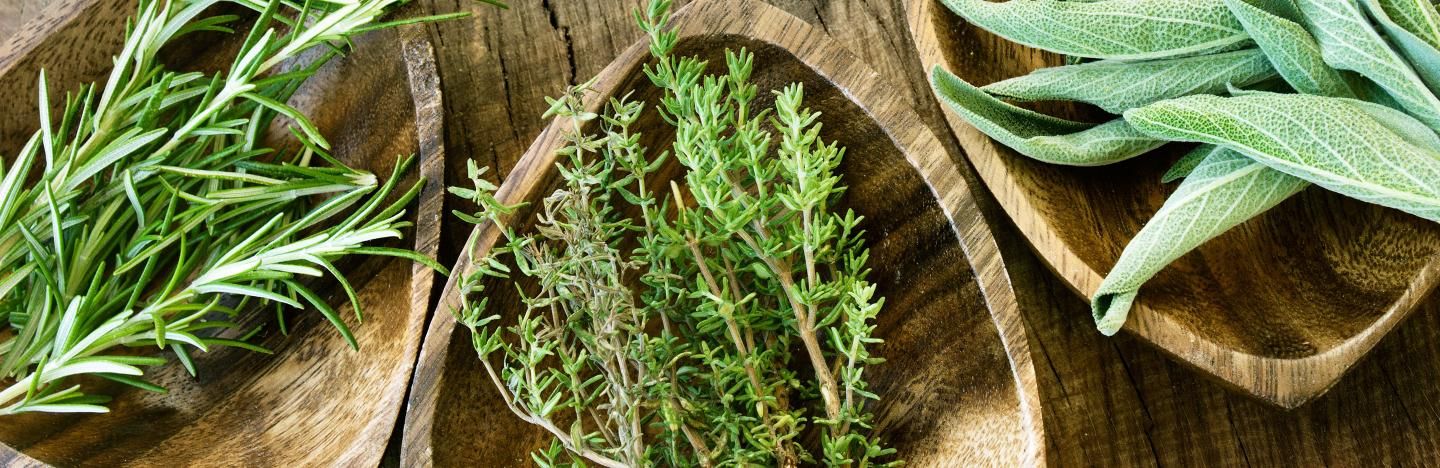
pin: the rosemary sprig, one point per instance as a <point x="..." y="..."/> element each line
<point x="129" y="220"/>
<point x="678" y="351"/>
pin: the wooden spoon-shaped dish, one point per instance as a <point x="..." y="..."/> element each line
<point x="958" y="388"/>
<point x="1279" y="307"/>
<point x="314" y="400"/>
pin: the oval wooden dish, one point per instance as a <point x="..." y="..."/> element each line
<point x="958" y="388"/>
<point x="314" y="400"/>
<point x="1279" y="307"/>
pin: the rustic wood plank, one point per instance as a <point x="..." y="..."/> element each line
<point x="1107" y="401"/>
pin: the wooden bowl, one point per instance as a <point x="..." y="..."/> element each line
<point x="958" y="388"/>
<point x="1279" y="307"/>
<point x="315" y="400"/>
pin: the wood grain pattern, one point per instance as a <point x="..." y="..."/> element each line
<point x="314" y="401"/>
<point x="1279" y="307"/>
<point x="14" y="13"/>
<point x="1108" y="401"/>
<point x="969" y="401"/>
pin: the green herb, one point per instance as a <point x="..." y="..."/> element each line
<point x="1139" y="83"/>
<point x="148" y="214"/>
<point x="1356" y="114"/>
<point x="679" y="351"/>
<point x="1110" y="29"/>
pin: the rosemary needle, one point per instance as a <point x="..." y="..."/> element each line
<point x="128" y="219"/>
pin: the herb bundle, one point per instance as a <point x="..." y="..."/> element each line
<point x="1280" y="94"/>
<point x="666" y="336"/>
<point x="149" y="213"/>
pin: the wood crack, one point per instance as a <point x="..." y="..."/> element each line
<point x="1235" y="430"/>
<point x="1400" y="398"/>
<point x="1144" y="406"/>
<point x="498" y="159"/>
<point x="821" y="18"/>
<point x="1050" y="363"/>
<point x="573" y="77"/>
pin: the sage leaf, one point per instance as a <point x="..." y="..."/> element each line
<point x="1292" y="51"/>
<point x="1372" y="92"/>
<point x="1040" y="136"/>
<point x="1423" y="56"/>
<point x="1328" y="141"/>
<point x="1348" y="42"/>
<point x="1416" y="16"/>
<point x="1187" y="163"/>
<point x="1117" y="86"/>
<point x="1110" y="29"/>
<point x="1284" y="9"/>
<point x="1401" y="123"/>
<point x="1225" y="189"/>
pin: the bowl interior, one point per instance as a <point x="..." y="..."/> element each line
<point x="948" y="394"/>
<point x="1297" y="281"/>
<point x="314" y="399"/>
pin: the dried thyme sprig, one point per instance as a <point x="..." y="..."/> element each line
<point x="580" y="312"/>
<point x="678" y="351"/>
<point x="127" y="221"/>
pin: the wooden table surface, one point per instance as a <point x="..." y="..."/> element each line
<point x="1107" y="401"/>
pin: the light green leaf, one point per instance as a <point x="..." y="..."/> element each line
<point x="1117" y="86"/>
<point x="91" y="366"/>
<point x="127" y="144"/>
<point x="1040" y="136"/>
<point x="1416" y="16"/>
<point x="1401" y="123"/>
<point x="1423" y="56"/>
<point x="1224" y="190"/>
<point x="1349" y="42"/>
<point x="1111" y="29"/>
<point x="1292" y="51"/>
<point x="242" y="290"/>
<point x="1187" y="163"/>
<point x="66" y="408"/>
<point x="1284" y="9"/>
<point x="1328" y="141"/>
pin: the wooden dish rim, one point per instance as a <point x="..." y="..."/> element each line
<point x="1284" y="382"/>
<point x="818" y="51"/>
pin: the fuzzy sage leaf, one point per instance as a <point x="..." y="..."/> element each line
<point x="1187" y="163"/>
<point x="1328" y="141"/>
<point x="1117" y="86"/>
<point x="1418" y="17"/>
<point x="1292" y="50"/>
<point x="1348" y="42"/>
<point x="1423" y="56"/>
<point x="1110" y="29"/>
<point x="1040" y="136"/>
<point x="1224" y="190"/>
<point x="1366" y="130"/>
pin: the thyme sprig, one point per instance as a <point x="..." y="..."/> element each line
<point x="667" y="336"/>
<point x="149" y="213"/>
